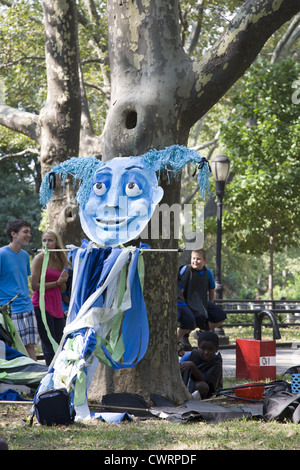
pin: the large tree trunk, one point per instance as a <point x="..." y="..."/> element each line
<point x="157" y="94"/>
<point x="158" y="372"/>
<point x="60" y="117"/>
<point x="149" y="75"/>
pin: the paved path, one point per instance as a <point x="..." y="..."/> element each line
<point x="286" y="357"/>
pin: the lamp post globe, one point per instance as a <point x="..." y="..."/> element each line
<point x="220" y="167"/>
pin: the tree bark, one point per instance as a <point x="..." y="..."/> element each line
<point x="150" y="73"/>
<point x="60" y="119"/>
<point x="157" y="94"/>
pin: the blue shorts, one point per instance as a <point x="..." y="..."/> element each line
<point x="215" y="313"/>
<point x="185" y="317"/>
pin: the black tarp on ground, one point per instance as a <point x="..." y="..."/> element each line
<point x="190" y="410"/>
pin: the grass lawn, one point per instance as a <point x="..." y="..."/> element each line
<point x="151" y="434"/>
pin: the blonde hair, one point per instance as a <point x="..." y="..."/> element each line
<point x="61" y="255"/>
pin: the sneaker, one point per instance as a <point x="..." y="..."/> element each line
<point x="186" y="345"/>
<point x="196" y="395"/>
<point x="196" y="334"/>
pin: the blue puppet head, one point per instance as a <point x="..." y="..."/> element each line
<point x="121" y="202"/>
<point x="117" y="198"/>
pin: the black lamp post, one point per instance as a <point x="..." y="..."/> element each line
<point x="220" y="167"/>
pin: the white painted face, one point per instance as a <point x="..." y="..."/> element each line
<point x="121" y="202"/>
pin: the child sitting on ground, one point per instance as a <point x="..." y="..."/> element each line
<point x="201" y="369"/>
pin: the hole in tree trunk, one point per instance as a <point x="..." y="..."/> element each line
<point x="131" y="120"/>
<point x="70" y="214"/>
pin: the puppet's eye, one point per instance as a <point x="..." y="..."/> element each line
<point x="99" y="188"/>
<point x="132" y="189"/>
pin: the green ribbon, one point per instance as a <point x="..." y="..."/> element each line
<point x="42" y="298"/>
<point x="80" y="388"/>
<point x="14" y="335"/>
<point x="141" y="270"/>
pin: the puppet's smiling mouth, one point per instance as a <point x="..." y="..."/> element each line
<point x="109" y="224"/>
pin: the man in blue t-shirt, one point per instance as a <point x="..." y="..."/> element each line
<point x="195" y="303"/>
<point x="14" y="272"/>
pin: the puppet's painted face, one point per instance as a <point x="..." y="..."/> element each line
<point x="121" y="202"/>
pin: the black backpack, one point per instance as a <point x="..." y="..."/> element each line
<point x="54" y="407"/>
<point x="282" y="405"/>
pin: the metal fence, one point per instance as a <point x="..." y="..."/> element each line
<point x="287" y="312"/>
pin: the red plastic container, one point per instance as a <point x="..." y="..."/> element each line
<point x="253" y="393"/>
<point x="255" y="359"/>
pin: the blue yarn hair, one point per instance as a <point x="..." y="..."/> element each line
<point x="174" y="158"/>
<point x="171" y="159"/>
<point x="81" y="169"/>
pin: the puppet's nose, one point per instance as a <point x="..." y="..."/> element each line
<point x="116" y="201"/>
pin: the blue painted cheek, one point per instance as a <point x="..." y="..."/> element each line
<point x="138" y="208"/>
<point x="92" y="206"/>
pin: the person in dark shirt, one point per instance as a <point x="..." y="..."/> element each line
<point x="202" y="368"/>
<point x="195" y="300"/>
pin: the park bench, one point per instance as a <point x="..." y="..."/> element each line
<point x="287" y="312"/>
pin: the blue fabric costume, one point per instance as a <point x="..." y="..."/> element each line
<point x="107" y="319"/>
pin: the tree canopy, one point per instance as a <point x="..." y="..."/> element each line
<point x="153" y="86"/>
<point x="262" y="139"/>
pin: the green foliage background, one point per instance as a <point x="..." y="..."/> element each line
<point x="260" y="132"/>
<point x="262" y="140"/>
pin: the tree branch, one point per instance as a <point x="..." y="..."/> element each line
<point x="235" y="51"/>
<point x="26" y="152"/>
<point x="20" y="60"/>
<point x="94" y="85"/>
<point x="21" y="121"/>
<point x="289" y="35"/>
<point x="196" y="29"/>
